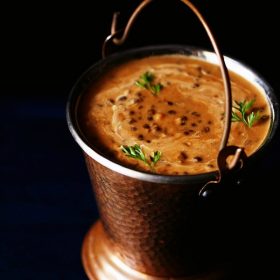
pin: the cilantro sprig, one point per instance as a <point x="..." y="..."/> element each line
<point x="137" y="153"/>
<point x="241" y="113"/>
<point x="146" y="82"/>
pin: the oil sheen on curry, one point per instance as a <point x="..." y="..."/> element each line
<point x="164" y="114"/>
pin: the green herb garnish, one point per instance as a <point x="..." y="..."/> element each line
<point x="156" y="157"/>
<point x="146" y="80"/>
<point x="243" y="116"/>
<point x="137" y="153"/>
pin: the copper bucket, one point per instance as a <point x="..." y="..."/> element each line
<point x="156" y="226"/>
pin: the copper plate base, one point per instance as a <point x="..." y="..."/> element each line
<point x="101" y="264"/>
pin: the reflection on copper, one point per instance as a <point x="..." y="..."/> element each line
<point x="101" y="263"/>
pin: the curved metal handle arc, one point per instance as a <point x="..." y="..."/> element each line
<point x="119" y="40"/>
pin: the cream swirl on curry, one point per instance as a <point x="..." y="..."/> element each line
<point x="182" y="118"/>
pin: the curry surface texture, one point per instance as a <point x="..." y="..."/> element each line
<point x="183" y="121"/>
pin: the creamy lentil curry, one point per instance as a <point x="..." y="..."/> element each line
<point x="183" y="120"/>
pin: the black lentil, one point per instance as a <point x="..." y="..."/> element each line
<point x="151" y="111"/>
<point x="122" y="98"/>
<point x="147" y="126"/>
<point x="206" y="129"/>
<point x="198" y="159"/>
<point x="172" y="112"/>
<point x="182" y="156"/>
<point x="195" y="85"/>
<point x="183" y="120"/>
<point x="195" y="114"/>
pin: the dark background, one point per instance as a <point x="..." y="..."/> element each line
<point x="46" y="45"/>
<point x="46" y="202"/>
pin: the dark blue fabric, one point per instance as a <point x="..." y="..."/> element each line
<point x="46" y="201"/>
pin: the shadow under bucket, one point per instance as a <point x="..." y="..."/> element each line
<point x="157" y="226"/>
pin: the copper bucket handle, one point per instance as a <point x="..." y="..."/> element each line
<point x="224" y="150"/>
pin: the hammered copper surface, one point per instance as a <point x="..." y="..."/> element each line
<point x="100" y="263"/>
<point x="154" y="228"/>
